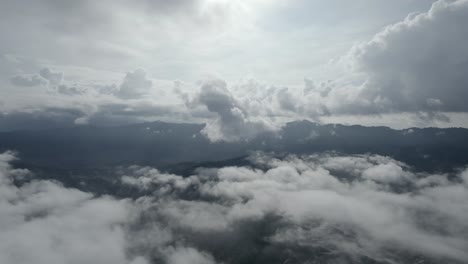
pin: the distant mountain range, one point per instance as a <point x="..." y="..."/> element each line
<point x="168" y="144"/>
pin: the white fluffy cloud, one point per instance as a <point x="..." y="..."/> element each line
<point x="418" y="64"/>
<point x="413" y="66"/>
<point x="354" y="208"/>
<point x="47" y="223"/>
<point x="233" y="121"/>
<point x="134" y="85"/>
<point x="317" y="208"/>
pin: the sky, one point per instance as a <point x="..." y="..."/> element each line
<point x="252" y="64"/>
<point x="244" y="69"/>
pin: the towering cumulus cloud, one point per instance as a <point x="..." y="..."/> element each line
<point x="134" y="85"/>
<point x="233" y="122"/>
<point x="319" y="208"/>
<point x="420" y="63"/>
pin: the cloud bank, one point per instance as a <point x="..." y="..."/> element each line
<point x="47" y="223"/>
<point x="327" y="208"/>
<point x="418" y="64"/>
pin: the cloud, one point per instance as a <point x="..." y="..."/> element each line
<point x="314" y="208"/>
<point x="48" y="78"/>
<point x="400" y="77"/>
<point x="70" y="90"/>
<point x="405" y="68"/>
<point x="106" y="35"/>
<point x="54" y="78"/>
<point x="47" y="223"/>
<point x="410" y="68"/>
<point x="322" y="208"/>
<point x="44" y="77"/>
<point x="34" y="119"/>
<point x="189" y="255"/>
<point x="233" y="122"/>
<point x="28" y="80"/>
<point x="134" y="85"/>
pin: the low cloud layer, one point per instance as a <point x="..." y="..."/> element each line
<point x="47" y="223"/>
<point x="327" y="208"/>
<point x="318" y="208"/>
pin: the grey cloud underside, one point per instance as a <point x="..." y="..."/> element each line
<point x="106" y="115"/>
<point x="47" y="78"/>
<point x="31" y="80"/>
<point x="326" y="208"/>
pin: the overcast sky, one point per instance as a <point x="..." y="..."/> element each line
<point x="399" y="63"/>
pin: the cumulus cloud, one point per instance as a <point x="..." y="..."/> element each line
<point x="134" y="85"/>
<point x="318" y="208"/>
<point x="70" y="90"/>
<point x="44" y="77"/>
<point x="47" y="223"/>
<point x="405" y="68"/>
<point x="28" y="80"/>
<point x="54" y="78"/>
<point x="411" y="68"/>
<point x="233" y="122"/>
<point x="400" y="77"/>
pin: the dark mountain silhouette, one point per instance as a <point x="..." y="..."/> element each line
<point x="182" y="146"/>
